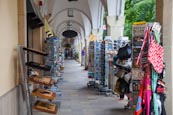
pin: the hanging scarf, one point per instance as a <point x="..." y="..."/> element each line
<point x="155" y="95"/>
<point x="147" y="94"/>
<point x="139" y="101"/>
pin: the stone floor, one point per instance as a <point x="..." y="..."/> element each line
<point x="78" y="99"/>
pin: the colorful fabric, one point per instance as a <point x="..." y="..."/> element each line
<point x="143" y="46"/>
<point x="139" y="101"/>
<point x="155" y="95"/>
<point x="155" y="55"/>
<point x="147" y="82"/>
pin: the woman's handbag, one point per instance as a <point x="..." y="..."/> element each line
<point x="155" y="55"/>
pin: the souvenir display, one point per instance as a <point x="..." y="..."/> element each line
<point x="123" y="64"/>
<point x="42" y="93"/>
<point x="105" y="78"/>
<point x="97" y="56"/>
<point x="46" y="107"/>
<point x="91" y="69"/>
<point x="151" y="93"/>
<point x="44" y="82"/>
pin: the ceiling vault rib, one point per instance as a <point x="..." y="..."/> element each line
<point x="66" y="21"/>
<point x="52" y="19"/>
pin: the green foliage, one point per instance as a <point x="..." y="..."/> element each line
<point x="76" y="55"/>
<point x="136" y="11"/>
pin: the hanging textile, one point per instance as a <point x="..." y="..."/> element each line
<point x="139" y="108"/>
<point x="155" y="55"/>
<point x="147" y="95"/>
<point x="143" y="46"/>
<point x="155" y="95"/>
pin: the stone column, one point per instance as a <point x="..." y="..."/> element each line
<point x="115" y="27"/>
<point x="86" y="52"/>
<point x="159" y="13"/>
<point x="79" y="49"/>
<point x="168" y="54"/>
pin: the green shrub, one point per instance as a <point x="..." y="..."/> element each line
<point x="76" y="55"/>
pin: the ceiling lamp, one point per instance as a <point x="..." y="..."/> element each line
<point x="69" y="33"/>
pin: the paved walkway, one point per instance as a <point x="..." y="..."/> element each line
<point x="78" y="99"/>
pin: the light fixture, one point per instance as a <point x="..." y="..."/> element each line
<point x="70" y="12"/>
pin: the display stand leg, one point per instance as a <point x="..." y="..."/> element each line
<point x="24" y="80"/>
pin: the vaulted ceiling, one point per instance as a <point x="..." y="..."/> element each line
<point x="81" y="16"/>
<point x="85" y="16"/>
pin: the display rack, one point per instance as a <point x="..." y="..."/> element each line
<point x="97" y="68"/>
<point x="53" y="55"/>
<point x="53" y="60"/>
<point x="91" y="69"/>
<point x="106" y="46"/>
<point x="137" y="73"/>
<point x="38" y="83"/>
<point x="153" y="86"/>
<point x="123" y="66"/>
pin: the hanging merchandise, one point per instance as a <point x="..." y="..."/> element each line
<point x="155" y="55"/>
<point x="139" y="108"/>
<point x="97" y="56"/>
<point x="106" y="71"/>
<point x="123" y="63"/>
<point x="124" y="52"/>
<point x="155" y="95"/>
<point x="152" y="90"/>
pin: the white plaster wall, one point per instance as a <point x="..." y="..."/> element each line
<point x="8" y="45"/>
<point x="9" y="103"/>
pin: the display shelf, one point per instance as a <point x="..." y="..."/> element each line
<point x="42" y="93"/>
<point x="38" y="66"/>
<point x="137" y="73"/>
<point x="47" y="81"/>
<point x="35" y="51"/>
<point x="46" y="107"/>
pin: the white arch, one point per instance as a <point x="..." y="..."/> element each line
<point x="51" y="19"/>
<point x="73" y="21"/>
